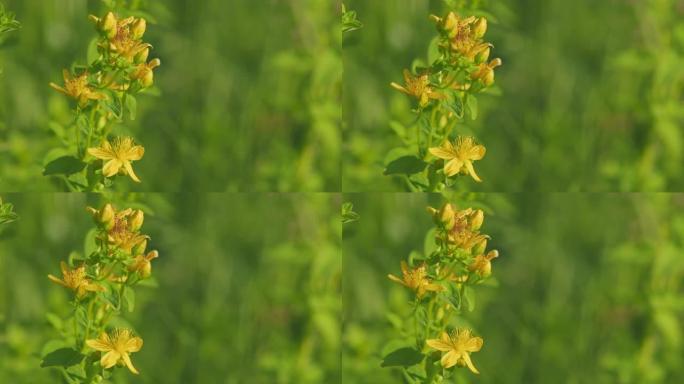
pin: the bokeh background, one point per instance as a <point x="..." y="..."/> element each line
<point x="248" y="94"/>
<point x="592" y="93"/>
<point x="248" y="287"/>
<point x="588" y="288"/>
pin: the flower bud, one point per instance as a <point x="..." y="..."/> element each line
<point x="108" y="25"/>
<point x="139" y="248"/>
<point x="103" y="217"/>
<point x="138" y="28"/>
<point x="446" y="216"/>
<point x="141" y="56"/>
<point x="480" y="247"/>
<point x="483" y="54"/>
<point x="480" y="28"/>
<point x="476" y="220"/>
<point x="135" y="221"/>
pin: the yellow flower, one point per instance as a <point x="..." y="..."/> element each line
<point x="143" y="265"/>
<point x="118" y="156"/>
<point x="418" y="87"/>
<point x="127" y="241"/>
<point x="485" y="72"/>
<point x="415" y="279"/>
<point x="75" y="279"/>
<point x="145" y="73"/>
<point x="459" y="157"/>
<point x="78" y="89"/>
<point x="117" y="347"/>
<point x="458" y="347"/>
<point x="482" y="265"/>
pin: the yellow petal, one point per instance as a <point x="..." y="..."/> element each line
<point x="442" y="153"/>
<point x="469" y="363"/>
<point x="129" y="171"/>
<point x="471" y="171"/>
<point x="56" y="280"/>
<point x="400" y="88"/>
<point x="98" y="345"/>
<point x="93" y="287"/>
<point x="129" y="364"/>
<point x="396" y="279"/>
<point x="59" y="89"/>
<point x="453" y="167"/>
<point x="450" y="359"/>
<point x="135" y="153"/>
<point x="404" y="267"/>
<point x="63" y="267"/>
<point x="111" y="168"/>
<point x="133" y="344"/>
<point x="474" y="344"/>
<point x="110" y="359"/>
<point x="439" y="345"/>
<point x="101" y="153"/>
<point x="477" y="152"/>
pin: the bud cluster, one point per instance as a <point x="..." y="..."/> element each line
<point x="123" y="60"/>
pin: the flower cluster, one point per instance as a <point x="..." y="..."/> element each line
<point x="103" y="91"/>
<point x="443" y="281"/>
<point x="445" y="92"/>
<point x="102" y="286"/>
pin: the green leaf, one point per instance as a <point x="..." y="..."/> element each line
<point x="129" y="298"/>
<point x="65" y="165"/>
<point x="63" y="357"/>
<point x="93" y="55"/>
<point x="429" y="244"/>
<point x="402" y="357"/>
<point x="89" y="244"/>
<point x="471" y="106"/>
<point x="469" y="297"/>
<point x="348" y="214"/>
<point x="405" y="165"/>
<point x="54" y="320"/>
<point x="131" y="106"/>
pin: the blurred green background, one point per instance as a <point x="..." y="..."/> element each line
<point x="592" y="94"/>
<point x="590" y="287"/>
<point x="249" y="287"/>
<point x="249" y="94"/>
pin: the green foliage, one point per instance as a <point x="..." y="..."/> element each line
<point x="7" y="21"/>
<point x="348" y="214"/>
<point x="349" y="20"/>
<point x="7" y="214"/>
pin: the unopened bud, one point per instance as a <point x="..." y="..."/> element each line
<point x="135" y="221"/>
<point x="138" y="28"/>
<point x="479" y="248"/>
<point x="104" y="216"/>
<point x="446" y="216"/>
<point x="108" y="25"/>
<point x="476" y="220"/>
<point x="480" y="28"/>
<point x="141" y="56"/>
<point x="139" y="248"/>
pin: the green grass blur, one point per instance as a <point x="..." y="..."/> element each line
<point x="592" y="94"/>
<point x="249" y="94"/>
<point x="249" y="287"/>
